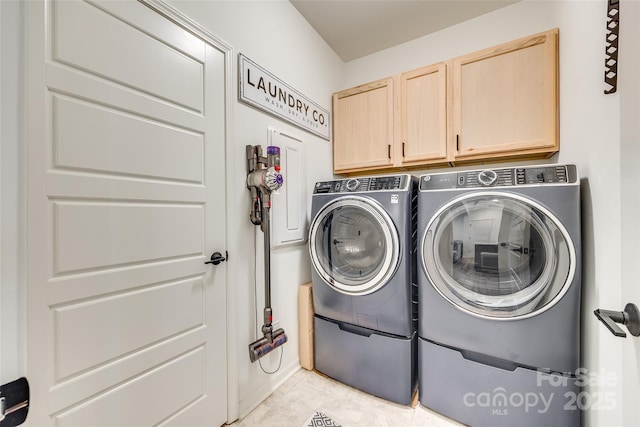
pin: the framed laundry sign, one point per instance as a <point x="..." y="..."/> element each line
<point x="261" y="89"/>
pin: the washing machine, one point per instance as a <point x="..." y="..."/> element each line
<point x="363" y="255"/>
<point x="499" y="288"/>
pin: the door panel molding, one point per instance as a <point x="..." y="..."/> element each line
<point x="94" y="285"/>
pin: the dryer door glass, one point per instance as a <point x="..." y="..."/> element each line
<point x="354" y="245"/>
<point x="498" y="256"/>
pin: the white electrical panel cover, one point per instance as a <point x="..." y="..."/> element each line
<point x="289" y="203"/>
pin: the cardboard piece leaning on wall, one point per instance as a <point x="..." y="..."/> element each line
<point x="305" y="323"/>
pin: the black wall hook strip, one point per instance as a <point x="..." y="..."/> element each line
<point x="611" y="51"/>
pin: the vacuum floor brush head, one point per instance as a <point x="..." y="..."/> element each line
<point x="262" y="347"/>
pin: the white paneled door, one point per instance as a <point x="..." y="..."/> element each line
<point x="126" y="324"/>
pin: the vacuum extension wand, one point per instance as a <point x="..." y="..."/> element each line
<point x="263" y="177"/>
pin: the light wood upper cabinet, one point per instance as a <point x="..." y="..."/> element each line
<point x="363" y="127"/>
<point x="505" y="100"/>
<point x="423" y="115"/>
<point x="496" y="104"/>
<point x="377" y="127"/>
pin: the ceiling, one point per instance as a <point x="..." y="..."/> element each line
<point x="356" y="28"/>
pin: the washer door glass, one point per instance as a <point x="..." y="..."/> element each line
<point x="498" y="255"/>
<point x="354" y="245"/>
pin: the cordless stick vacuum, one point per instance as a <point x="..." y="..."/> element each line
<point x="263" y="177"/>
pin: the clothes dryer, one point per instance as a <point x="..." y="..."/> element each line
<point x="363" y="252"/>
<point x="499" y="290"/>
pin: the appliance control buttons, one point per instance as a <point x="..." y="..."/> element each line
<point x="352" y="184"/>
<point x="487" y="177"/>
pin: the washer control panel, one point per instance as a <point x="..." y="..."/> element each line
<point x="487" y="178"/>
<point x="373" y="183"/>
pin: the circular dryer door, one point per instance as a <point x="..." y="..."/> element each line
<point x="498" y="255"/>
<point x="354" y="245"/>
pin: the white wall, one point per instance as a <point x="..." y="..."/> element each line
<point x="589" y="137"/>
<point x="275" y="36"/>
<point x="629" y="87"/>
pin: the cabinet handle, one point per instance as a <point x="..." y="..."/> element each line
<point x="389" y="151"/>
<point x="457" y="142"/>
<point x="403" y="149"/>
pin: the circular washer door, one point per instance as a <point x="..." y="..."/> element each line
<point x="498" y="255"/>
<point x="354" y="245"/>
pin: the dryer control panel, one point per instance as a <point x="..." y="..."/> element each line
<point x="506" y="177"/>
<point x="370" y="183"/>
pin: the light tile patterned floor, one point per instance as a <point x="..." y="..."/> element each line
<point x="308" y="391"/>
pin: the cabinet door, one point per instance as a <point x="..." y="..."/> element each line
<point x="505" y="100"/>
<point x="363" y="127"/>
<point x="423" y="112"/>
